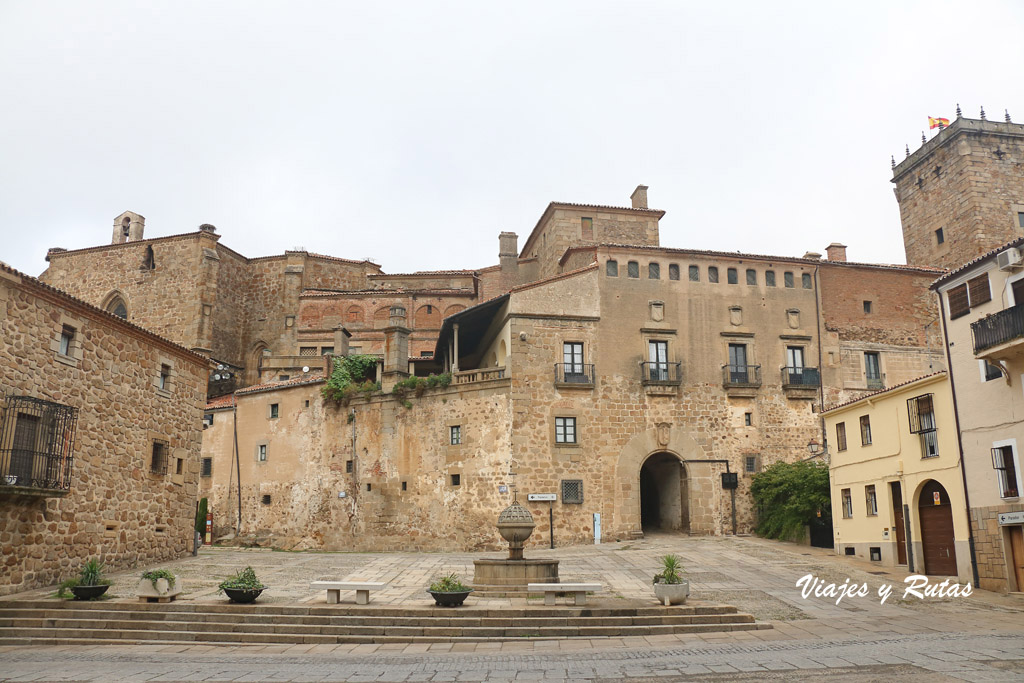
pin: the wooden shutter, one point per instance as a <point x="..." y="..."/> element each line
<point x="958" y="303"/>
<point x="979" y="290"/>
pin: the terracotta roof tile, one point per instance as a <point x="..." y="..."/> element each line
<point x="882" y="391"/>
<point x="225" y="401"/>
<point x="312" y="378"/>
<point x="984" y="257"/>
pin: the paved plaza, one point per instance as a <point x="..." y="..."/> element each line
<point x="977" y="638"/>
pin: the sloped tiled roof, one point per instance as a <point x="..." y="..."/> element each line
<point x="882" y="391"/>
<point x="984" y="257"/>
<point x="311" y="378"/>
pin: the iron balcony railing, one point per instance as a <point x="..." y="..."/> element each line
<point x="998" y="328"/>
<point x="741" y="375"/>
<point x="574" y="373"/>
<point x="36" y="440"/>
<point x="800" y="377"/>
<point x="660" y="372"/>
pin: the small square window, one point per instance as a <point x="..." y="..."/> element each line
<point x="348" y="467"/>
<point x="633" y="269"/>
<point x="751" y="276"/>
<point x="787" y="279"/>
<point x="713" y="274"/>
<point x="611" y="268"/>
<point x="265" y="499"/>
<point x="455" y="433"/>
<point x="572" y="491"/>
<point x="653" y="271"/>
<point x="207" y="468"/>
<point x="307" y="402"/>
<point x="673" y="271"/>
<point x="805" y="281"/>
<point x="940" y="236"/>
<point x="207" y="420"/>
<point x="405" y="486"/>
<point x="165" y="377"/>
<point x="67" y="335"/>
<point x="565" y="430"/>
<point x="261" y="452"/>
<point x="733" y="276"/>
<point x="748" y="419"/>
<point x="867" y="307"/>
<point x="769" y="278"/>
<point x="456" y="479"/>
<point x="750" y="464"/>
<point x="282" y="378"/>
<point x="275" y="410"/>
<point x="369" y="487"/>
<point x="694" y="273"/>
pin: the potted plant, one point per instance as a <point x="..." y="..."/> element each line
<point x="243" y="586"/>
<point x="669" y="587"/>
<point x="89" y="584"/>
<point x="158" y="584"/>
<point x="449" y="591"/>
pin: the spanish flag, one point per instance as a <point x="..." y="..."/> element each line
<point x="937" y="123"/>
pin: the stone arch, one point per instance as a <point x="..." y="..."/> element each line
<point x="664" y="493"/>
<point x="255" y="361"/>
<point x="936" y="532"/>
<point x="704" y="494"/>
<point x="453" y="309"/>
<point x="427" y="316"/>
<point x="116" y="304"/>
<point x="502" y="353"/>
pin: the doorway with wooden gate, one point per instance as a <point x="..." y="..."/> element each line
<point x="937" y="539"/>
<point x="1017" y="555"/>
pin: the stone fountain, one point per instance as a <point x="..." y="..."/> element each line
<point x="508" y="577"/>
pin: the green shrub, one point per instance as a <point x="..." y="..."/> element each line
<point x="351" y="375"/>
<point x="243" y="580"/>
<point x="155" y="575"/>
<point x="789" y="496"/>
<point x="670" y="570"/>
<point x="201" y="515"/>
<point x="448" y="584"/>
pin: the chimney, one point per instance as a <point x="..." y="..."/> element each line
<point x="836" y="252"/>
<point x="341" y="337"/>
<point x="813" y="255"/>
<point x="639" y="197"/>
<point x="508" y="257"/>
<point x="128" y="227"/>
<point x="396" y="349"/>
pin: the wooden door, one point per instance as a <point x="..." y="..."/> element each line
<point x="937" y="542"/>
<point x="900" y="529"/>
<point x="1017" y="553"/>
<point x="1018" y="292"/>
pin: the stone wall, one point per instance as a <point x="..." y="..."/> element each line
<point x="968" y="180"/>
<point x="992" y="545"/>
<point x="116" y="509"/>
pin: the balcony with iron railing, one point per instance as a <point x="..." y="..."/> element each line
<point x="741" y="380"/>
<point x="36" y="440"/>
<point x="574" y="375"/>
<point x="661" y="374"/>
<point x="1000" y="335"/>
<point x="800" y="382"/>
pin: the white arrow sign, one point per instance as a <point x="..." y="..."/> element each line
<point x="541" y="496"/>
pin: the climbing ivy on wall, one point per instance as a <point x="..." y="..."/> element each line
<point x="351" y="375"/>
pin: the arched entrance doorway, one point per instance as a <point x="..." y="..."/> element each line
<point x="937" y="540"/>
<point x="664" y="494"/>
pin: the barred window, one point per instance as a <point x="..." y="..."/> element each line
<point x="673" y="271"/>
<point x="921" y="413"/>
<point x="750" y="464"/>
<point x="787" y="279"/>
<point x="653" y="271"/>
<point x="36" y="442"/>
<point x="207" y="468"/>
<point x="865" y="430"/>
<point x="733" y="276"/>
<point x="769" y="278"/>
<point x="1004" y="462"/>
<point x="455" y="435"/>
<point x="841" y="436"/>
<point x="751" y="276"/>
<point x="847" y="504"/>
<point x="805" y="281"/>
<point x="871" y="499"/>
<point x="158" y="461"/>
<point x="307" y="350"/>
<point x="572" y="491"/>
<point x="694" y="273"/>
<point x="611" y="268"/>
<point x="633" y="269"/>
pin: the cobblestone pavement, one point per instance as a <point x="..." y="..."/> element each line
<point x="980" y="637"/>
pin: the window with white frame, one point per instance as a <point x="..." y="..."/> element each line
<point x="1004" y="461"/>
<point x="872" y="500"/>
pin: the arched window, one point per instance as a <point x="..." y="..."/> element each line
<point x="354" y="314"/>
<point x="149" y="260"/>
<point x="116" y="305"/>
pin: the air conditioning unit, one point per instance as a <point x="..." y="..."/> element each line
<point x="1011" y="259"/>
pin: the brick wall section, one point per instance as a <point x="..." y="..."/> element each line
<point x="965" y="181"/>
<point x="120" y="412"/>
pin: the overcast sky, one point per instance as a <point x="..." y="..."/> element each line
<point x="413" y="133"/>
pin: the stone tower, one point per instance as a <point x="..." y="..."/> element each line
<point x="128" y="227"/>
<point x="962" y="193"/>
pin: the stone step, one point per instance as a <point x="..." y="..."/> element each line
<point x="199" y="622"/>
<point x="87" y="635"/>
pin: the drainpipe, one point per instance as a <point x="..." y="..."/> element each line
<point x="821" y="361"/>
<point x="238" y="466"/>
<point x="959" y="441"/>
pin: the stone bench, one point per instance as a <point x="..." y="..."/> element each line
<point x="334" y="588"/>
<point x="579" y="590"/>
